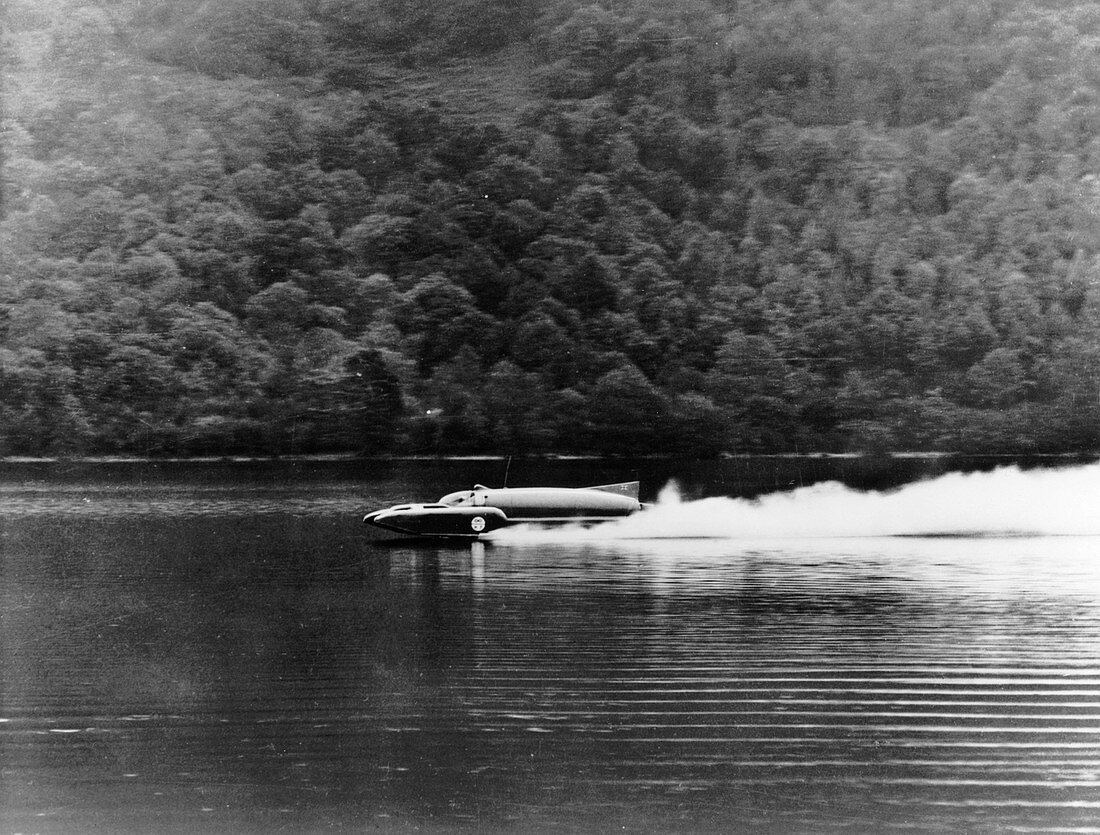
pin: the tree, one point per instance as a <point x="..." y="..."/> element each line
<point x="750" y="383"/>
<point x="261" y="38"/>
<point x="611" y="417"/>
<point x="516" y="410"/>
<point x="998" y="380"/>
<point x="135" y="393"/>
<point x="40" y="409"/>
<point x="379" y="241"/>
<point x="441" y="317"/>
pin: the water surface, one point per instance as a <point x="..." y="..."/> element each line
<point x="226" y="649"/>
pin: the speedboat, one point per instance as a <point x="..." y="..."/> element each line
<point x="473" y="513"/>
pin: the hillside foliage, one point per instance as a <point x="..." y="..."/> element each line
<point x="546" y="226"/>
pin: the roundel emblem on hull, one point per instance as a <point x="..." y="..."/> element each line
<point x="478" y="523"/>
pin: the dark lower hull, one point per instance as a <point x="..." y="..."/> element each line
<point x="466" y="523"/>
<point x="451" y="522"/>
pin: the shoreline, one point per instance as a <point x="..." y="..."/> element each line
<point x="351" y="457"/>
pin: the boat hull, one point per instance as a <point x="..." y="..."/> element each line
<point x="474" y="513"/>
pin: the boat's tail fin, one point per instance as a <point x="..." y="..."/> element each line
<point x="627" y="488"/>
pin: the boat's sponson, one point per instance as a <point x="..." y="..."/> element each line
<point x="485" y="509"/>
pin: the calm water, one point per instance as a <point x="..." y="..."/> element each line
<point x="224" y="648"/>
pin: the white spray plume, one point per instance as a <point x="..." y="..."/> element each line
<point x="1005" y="501"/>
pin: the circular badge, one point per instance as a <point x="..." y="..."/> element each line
<point x="478" y="523"/>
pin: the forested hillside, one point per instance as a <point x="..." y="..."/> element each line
<point x="292" y="226"/>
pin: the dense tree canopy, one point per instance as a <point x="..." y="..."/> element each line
<point x="541" y="226"/>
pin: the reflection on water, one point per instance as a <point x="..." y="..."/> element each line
<point x="113" y="501"/>
<point x="236" y="670"/>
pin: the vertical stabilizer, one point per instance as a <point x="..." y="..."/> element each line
<point x="626" y="488"/>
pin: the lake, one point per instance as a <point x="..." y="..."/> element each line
<point x="223" y="647"/>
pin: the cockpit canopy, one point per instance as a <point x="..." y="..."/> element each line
<point x="465" y="498"/>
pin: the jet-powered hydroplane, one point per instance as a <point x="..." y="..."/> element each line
<point x="473" y="513"/>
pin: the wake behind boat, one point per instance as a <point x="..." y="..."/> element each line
<point x="472" y="513"/>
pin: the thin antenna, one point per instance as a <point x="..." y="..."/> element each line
<point x="507" y="467"/>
